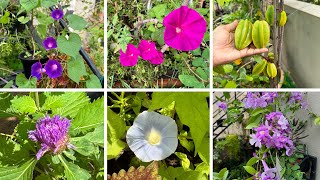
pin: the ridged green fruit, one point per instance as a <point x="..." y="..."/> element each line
<point x="271" y="70"/>
<point x="259" y="67"/>
<point x="270" y="14"/>
<point x="242" y="37"/>
<point x="260" y="34"/>
<point x="283" y="18"/>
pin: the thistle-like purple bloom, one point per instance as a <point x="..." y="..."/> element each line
<point x="53" y="69"/>
<point x="52" y="134"/>
<point x="50" y="43"/>
<point x="57" y="14"/>
<point x="222" y="105"/>
<point x="37" y="70"/>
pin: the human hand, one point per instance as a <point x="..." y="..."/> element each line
<point x="224" y="50"/>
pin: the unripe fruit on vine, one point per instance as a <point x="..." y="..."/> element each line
<point x="283" y="18"/>
<point x="259" y="67"/>
<point x="242" y="36"/>
<point x="270" y="14"/>
<point x="271" y="70"/>
<point x="260" y="34"/>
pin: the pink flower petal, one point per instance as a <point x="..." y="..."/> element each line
<point x="147" y="50"/>
<point x="158" y="59"/>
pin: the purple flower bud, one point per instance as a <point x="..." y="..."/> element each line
<point x="57" y="14"/>
<point x="52" y="134"/>
<point x="50" y="43"/>
<point x="53" y="69"/>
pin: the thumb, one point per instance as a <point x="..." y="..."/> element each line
<point x="232" y="26"/>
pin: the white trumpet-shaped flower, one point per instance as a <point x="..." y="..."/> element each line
<point x="153" y="136"/>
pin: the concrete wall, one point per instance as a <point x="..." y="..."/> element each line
<point x="302" y="43"/>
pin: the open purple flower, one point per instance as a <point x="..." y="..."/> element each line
<point x="184" y="29"/>
<point x="158" y="59"/>
<point x="50" y="43"/>
<point x="222" y="105"/>
<point x="37" y="70"/>
<point x="52" y="134"/>
<point x="269" y="173"/>
<point x="53" y="69"/>
<point x="148" y="50"/>
<point x="130" y="57"/>
<point x="57" y="14"/>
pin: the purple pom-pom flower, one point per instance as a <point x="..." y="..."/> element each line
<point x="52" y="134"/>
<point x="57" y="14"/>
<point x="37" y="70"/>
<point x="153" y="136"/>
<point x="53" y="69"/>
<point x="50" y="43"/>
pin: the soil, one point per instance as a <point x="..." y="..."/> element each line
<point x="7" y="125"/>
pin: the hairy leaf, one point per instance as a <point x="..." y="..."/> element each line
<point x="23" y="172"/>
<point x="23" y="105"/>
<point x="73" y="171"/>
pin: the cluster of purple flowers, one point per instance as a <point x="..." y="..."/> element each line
<point x="274" y="133"/>
<point x="257" y="100"/>
<point x="222" y="105"/>
<point x="147" y="50"/>
<point x="52" y="134"/>
<point x="297" y="97"/>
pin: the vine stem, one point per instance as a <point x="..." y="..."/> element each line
<point x="140" y="23"/>
<point x="251" y="61"/>
<point x="37" y="99"/>
<point x="193" y="71"/>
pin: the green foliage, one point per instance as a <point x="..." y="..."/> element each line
<point x="76" y="68"/>
<point x="76" y="22"/>
<point x="69" y="45"/>
<point x="25" y="171"/>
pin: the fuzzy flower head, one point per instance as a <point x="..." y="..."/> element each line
<point x="50" y="43"/>
<point x="37" y="70"/>
<point x="184" y="29"/>
<point x="57" y="14"/>
<point x="130" y="57"/>
<point x="153" y="136"/>
<point x="52" y="134"/>
<point x="53" y="69"/>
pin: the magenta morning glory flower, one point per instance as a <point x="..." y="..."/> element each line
<point x="158" y="59"/>
<point x="53" y="69"/>
<point x="130" y="57"/>
<point x="57" y="14"/>
<point x="50" y="43"/>
<point x="52" y="134"/>
<point x="37" y="70"/>
<point x="147" y="50"/>
<point x="184" y="29"/>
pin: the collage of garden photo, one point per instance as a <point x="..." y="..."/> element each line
<point x="195" y="90"/>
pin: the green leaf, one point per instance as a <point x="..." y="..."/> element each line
<point x="250" y="170"/>
<point x="11" y="153"/>
<point x="48" y="3"/>
<point x="223" y="174"/>
<point x="189" y="106"/>
<point x="204" y="150"/>
<point x="227" y="68"/>
<point x="206" y="53"/>
<point x="76" y="22"/>
<point x="192" y="175"/>
<point x="158" y="11"/>
<point x="199" y="62"/>
<point x="93" y="82"/>
<point x="23" y="82"/>
<point x="202" y="73"/>
<point x="97" y="136"/>
<point x="76" y="68"/>
<point x="73" y="171"/>
<point x="70" y="46"/>
<point x="116" y="126"/>
<point x="252" y="161"/>
<point x="89" y="117"/>
<point x="5" y="101"/>
<point x="317" y="121"/>
<point x="5" y="19"/>
<point x="185" y="162"/>
<point x="4" y="4"/>
<point x="84" y="146"/>
<point x="203" y="168"/>
<point x="231" y="84"/>
<point x="28" y="5"/>
<point x="23" y="172"/>
<point x="115" y="148"/>
<point x="24" y="105"/>
<point x="190" y="81"/>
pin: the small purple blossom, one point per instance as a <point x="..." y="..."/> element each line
<point x="269" y="173"/>
<point x="53" y="69"/>
<point x="50" y="43"/>
<point x="37" y="70"/>
<point x="52" y="134"/>
<point x="269" y="96"/>
<point x="222" y="105"/>
<point x="257" y="100"/>
<point x="57" y="14"/>
<point x="295" y="97"/>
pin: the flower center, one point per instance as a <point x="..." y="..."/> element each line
<point x="262" y="132"/>
<point x="54" y="67"/>
<point x="154" y="137"/>
<point x="178" y="30"/>
<point x="43" y="70"/>
<point x="131" y="55"/>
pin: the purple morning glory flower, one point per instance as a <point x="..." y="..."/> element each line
<point x="53" y="69"/>
<point x="269" y="173"/>
<point x="37" y="70"/>
<point x="52" y="134"/>
<point x="222" y="105"/>
<point x="57" y="14"/>
<point x="50" y="43"/>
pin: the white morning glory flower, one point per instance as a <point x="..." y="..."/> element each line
<point x="153" y="136"/>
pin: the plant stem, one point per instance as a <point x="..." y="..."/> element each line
<point x="193" y="71"/>
<point x="37" y="99"/>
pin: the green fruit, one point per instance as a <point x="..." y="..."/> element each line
<point x="283" y="18"/>
<point x="259" y="67"/>
<point x="270" y="14"/>
<point x="242" y="37"/>
<point x="260" y="34"/>
<point x="271" y="70"/>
